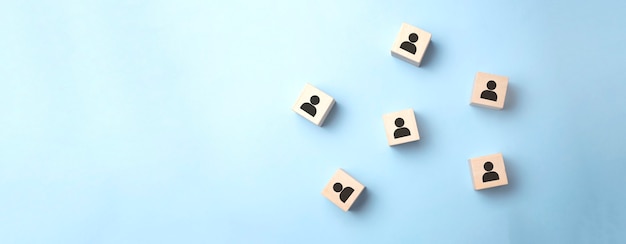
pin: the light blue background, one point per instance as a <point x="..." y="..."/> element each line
<point x="170" y="122"/>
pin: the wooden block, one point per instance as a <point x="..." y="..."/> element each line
<point x="488" y="171"/>
<point x="401" y="127"/>
<point x="343" y="190"/>
<point x="411" y="44"/>
<point x="489" y="90"/>
<point x="313" y="104"/>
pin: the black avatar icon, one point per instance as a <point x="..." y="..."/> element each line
<point x="345" y="192"/>
<point x="490" y="175"/>
<point x="401" y="131"/>
<point x="409" y="46"/>
<point x="490" y="94"/>
<point x="310" y="107"/>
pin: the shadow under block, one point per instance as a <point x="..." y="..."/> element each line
<point x="401" y="127"/>
<point x="411" y="44"/>
<point x="313" y="104"/>
<point x="488" y="171"/>
<point x="489" y="90"/>
<point x="343" y="190"/>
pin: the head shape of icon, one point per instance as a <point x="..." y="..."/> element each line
<point x="489" y="175"/>
<point x="399" y="122"/>
<point x="315" y="100"/>
<point x="409" y="46"/>
<point x="490" y="94"/>
<point x="310" y="107"/>
<point x="345" y="193"/>
<point x="413" y="37"/>
<point x="401" y="131"/>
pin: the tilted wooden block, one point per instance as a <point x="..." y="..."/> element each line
<point x="313" y="104"/>
<point x="343" y="190"/>
<point x="411" y="44"/>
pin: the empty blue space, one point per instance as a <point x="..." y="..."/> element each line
<point x="170" y="122"/>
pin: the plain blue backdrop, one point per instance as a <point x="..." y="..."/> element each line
<point x="171" y="122"/>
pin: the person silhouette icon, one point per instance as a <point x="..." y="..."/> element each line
<point x="490" y="94"/>
<point x="490" y="175"/>
<point x="345" y="192"/>
<point x="309" y="108"/>
<point x="401" y="131"/>
<point x="408" y="45"/>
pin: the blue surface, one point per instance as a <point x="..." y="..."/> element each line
<point x="170" y="122"/>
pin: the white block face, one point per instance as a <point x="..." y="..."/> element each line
<point x="488" y="171"/>
<point x="489" y="90"/>
<point x="411" y="44"/>
<point x="313" y="104"/>
<point x="401" y="127"/>
<point x="343" y="190"/>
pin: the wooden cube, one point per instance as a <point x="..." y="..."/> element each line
<point x="489" y="90"/>
<point x="313" y="104"/>
<point x="411" y="44"/>
<point x="343" y="190"/>
<point x="488" y="171"/>
<point x="401" y="127"/>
